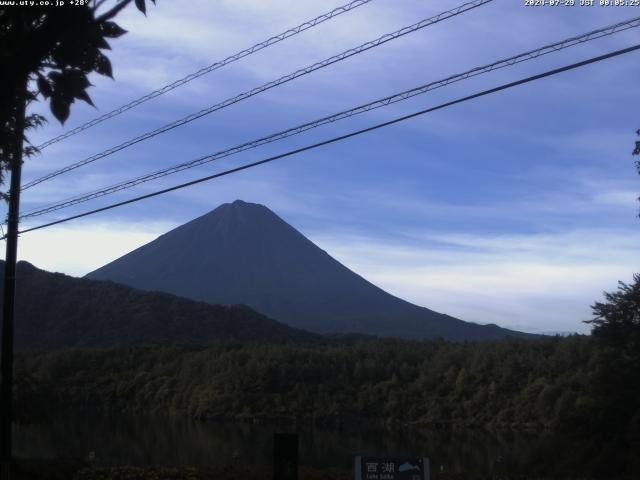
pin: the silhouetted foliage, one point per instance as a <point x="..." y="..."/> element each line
<point x="50" y="51"/>
<point x="616" y="330"/>
<point x="617" y="321"/>
<point x="636" y="151"/>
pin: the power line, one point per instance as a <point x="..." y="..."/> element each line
<point x="529" y="55"/>
<point x="343" y="137"/>
<point x="267" y="86"/>
<point x="214" y="66"/>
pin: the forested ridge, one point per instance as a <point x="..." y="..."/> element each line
<point x="585" y="387"/>
<point x="54" y="311"/>
<point x="575" y="384"/>
<point x="553" y="384"/>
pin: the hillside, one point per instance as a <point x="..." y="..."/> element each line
<point x="473" y="384"/>
<point x="54" y="311"/>
<point x="243" y="253"/>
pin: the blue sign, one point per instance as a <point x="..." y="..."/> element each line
<point x="381" y="468"/>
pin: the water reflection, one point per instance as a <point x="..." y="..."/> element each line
<point x="160" y="441"/>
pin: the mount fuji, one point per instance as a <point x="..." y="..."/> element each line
<point x="243" y="253"/>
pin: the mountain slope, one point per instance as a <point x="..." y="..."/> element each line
<point x="54" y="311"/>
<point x="244" y="253"/>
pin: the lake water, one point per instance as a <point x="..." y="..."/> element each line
<point x="161" y="441"/>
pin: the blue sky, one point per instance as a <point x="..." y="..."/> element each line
<point x="518" y="208"/>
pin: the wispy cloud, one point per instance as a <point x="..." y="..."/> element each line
<point x="545" y="281"/>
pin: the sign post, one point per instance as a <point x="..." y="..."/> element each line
<point x="382" y="468"/>
<point x="285" y="456"/>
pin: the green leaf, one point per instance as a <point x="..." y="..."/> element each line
<point x="140" y="4"/>
<point x="112" y="30"/>
<point x="30" y="151"/>
<point x="84" y="96"/>
<point x="44" y="86"/>
<point x="103" y="65"/>
<point x="34" y="121"/>
<point x="70" y="84"/>
<point x="102" y="43"/>
<point x="55" y="75"/>
<point x="60" y="108"/>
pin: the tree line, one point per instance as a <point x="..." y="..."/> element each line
<point x="558" y="384"/>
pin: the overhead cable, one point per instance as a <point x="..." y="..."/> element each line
<point x="214" y="66"/>
<point x="529" y="55"/>
<point x="341" y="137"/>
<point x="267" y="86"/>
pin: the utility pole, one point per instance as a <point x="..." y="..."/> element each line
<point x="9" y="288"/>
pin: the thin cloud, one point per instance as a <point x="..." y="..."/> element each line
<point x="544" y="281"/>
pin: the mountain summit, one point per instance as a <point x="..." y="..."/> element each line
<point x="243" y="253"/>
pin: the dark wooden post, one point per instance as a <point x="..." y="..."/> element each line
<point x="285" y="456"/>
<point x="6" y="388"/>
